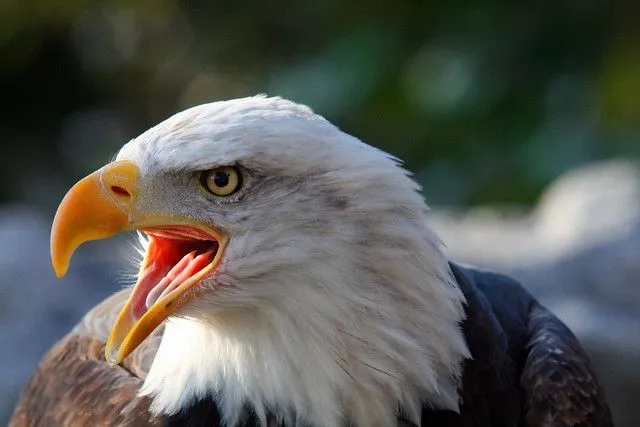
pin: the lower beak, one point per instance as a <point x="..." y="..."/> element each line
<point x="130" y="331"/>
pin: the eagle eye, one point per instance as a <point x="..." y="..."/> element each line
<point x="221" y="181"/>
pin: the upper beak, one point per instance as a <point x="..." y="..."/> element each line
<point x="97" y="207"/>
<point x="100" y="206"/>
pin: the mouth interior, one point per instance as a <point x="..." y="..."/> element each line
<point x="174" y="255"/>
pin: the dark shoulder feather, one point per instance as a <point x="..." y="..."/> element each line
<point x="74" y="385"/>
<point x="558" y="381"/>
<point x="553" y="378"/>
<point x="489" y="386"/>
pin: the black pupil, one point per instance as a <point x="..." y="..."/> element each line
<point x="221" y="179"/>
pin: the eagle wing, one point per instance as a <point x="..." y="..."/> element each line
<point x="559" y="384"/>
<point x="74" y="385"/>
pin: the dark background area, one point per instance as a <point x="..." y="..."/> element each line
<point x="487" y="102"/>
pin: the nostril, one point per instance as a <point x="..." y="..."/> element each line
<point x="120" y="191"/>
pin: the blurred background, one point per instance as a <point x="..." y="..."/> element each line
<point x="520" y="120"/>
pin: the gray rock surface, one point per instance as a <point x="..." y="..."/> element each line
<point x="578" y="252"/>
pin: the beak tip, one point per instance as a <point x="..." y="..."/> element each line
<point x="59" y="267"/>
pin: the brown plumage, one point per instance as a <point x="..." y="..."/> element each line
<point x="73" y="384"/>
<point x="558" y="382"/>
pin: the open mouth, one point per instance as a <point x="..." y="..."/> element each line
<point x="177" y="259"/>
<point x="181" y="253"/>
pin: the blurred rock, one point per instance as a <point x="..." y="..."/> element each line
<point x="578" y="252"/>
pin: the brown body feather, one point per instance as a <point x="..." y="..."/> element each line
<point x="74" y="385"/>
<point x="558" y="382"/>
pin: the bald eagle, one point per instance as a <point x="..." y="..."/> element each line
<point x="289" y="277"/>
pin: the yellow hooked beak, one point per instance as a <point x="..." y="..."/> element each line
<point x="97" y="207"/>
<point x="102" y="205"/>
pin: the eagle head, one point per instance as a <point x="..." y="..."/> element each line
<point x="291" y="264"/>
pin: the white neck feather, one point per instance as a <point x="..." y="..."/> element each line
<point x="389" y="342"/>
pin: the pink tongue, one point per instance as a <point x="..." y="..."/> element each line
<point x="189" y="265"/>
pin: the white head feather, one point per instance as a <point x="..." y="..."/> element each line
<point x="334" y="300"/>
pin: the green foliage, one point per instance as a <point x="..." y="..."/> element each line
<point x="486" y="101"/>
